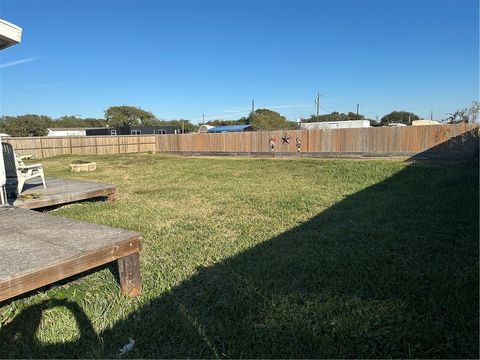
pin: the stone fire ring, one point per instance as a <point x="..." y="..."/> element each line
<point x="83" y="166"/>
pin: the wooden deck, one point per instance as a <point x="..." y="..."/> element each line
<point x="61" y="191"/>
<point x="38" y="249"/>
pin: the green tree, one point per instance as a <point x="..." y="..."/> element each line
<point x="26" y="125"/>
<point x="335" y="116"/>
<point x="241" y="121"/>
<point x="355" y="116"/>
<point x="73" y="121"/>
<point x="265" y="119"/>
<point x="116" y="116"/>
<point x="402" y="117"/>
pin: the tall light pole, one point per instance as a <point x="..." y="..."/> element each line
<point x="317" y="102"/>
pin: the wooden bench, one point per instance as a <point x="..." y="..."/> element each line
<point x="37" y="249"/>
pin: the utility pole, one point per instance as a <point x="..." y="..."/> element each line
<point x="203" y="119"/>
<point x="358" y="106"/>
<point x="431" y="114"/>
<point x="409" y="119"/>
<point x="317" y="102"/>
<point x="253" y="105"/>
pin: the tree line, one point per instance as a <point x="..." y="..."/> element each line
<point x="38" y="125"/>
<point x="264" y="119"/>
<point x="115" y="116"/>
<point x="260" y="119"/>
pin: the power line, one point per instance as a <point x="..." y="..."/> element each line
<point x="351" y="109"/>
<point x="324" y="108"/>
<point x="368" y="111"/>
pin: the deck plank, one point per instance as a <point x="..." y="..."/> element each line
<point x="61" y="191"/>
<point x="37" y="249"/>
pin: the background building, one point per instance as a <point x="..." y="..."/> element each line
<point x="133" y="130"/>
<point x="148" y="130"/>
<point x="122" y="130"/>
<point x="230" y="128"/>
<point x="66" y="132"/>
<point x="425" y="122"/>
<point x="348" y="124"/>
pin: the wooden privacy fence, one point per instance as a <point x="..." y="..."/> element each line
<point x="374" y="141"/>
<point x="438" y="140"/>
<point x="42" y="147"/>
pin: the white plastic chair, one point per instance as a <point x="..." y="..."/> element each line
<point x="15" y="168"/>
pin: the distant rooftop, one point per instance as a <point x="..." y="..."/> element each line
<point x="68" y="129"/>
<point x="229" y="128"/>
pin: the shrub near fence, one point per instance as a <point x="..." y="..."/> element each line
<point x="436" y="140"/>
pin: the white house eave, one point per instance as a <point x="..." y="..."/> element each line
<point x="10" y="34"/>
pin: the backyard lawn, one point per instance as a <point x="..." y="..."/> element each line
<point x="270" y="258"/>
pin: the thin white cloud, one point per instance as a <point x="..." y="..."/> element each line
<point x="18" y="62"/>
<point x="234" y="112"/>
<point x="243" y="109"/>
<point x="236" y="109"/>
<point x="221" y="116"/>
<point x="288" y="106"/>
<point x="240" y="109"/>
<point x="61" y="83"/>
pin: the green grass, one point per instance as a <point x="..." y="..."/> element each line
<point x="247" y="258"/>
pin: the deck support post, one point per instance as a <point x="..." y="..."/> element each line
<point x="129" y="271"/>
<point x="111" y="197"/>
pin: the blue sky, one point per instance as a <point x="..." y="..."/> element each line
<point x="182" y="59"/>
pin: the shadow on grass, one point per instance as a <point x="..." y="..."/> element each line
<point x="22" y="331"/>
<point x="464" y="146"/>
<point x="391" y="271"/>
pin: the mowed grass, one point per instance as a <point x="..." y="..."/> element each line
<point x="247" y="258"/>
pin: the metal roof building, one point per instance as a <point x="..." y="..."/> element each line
<point x="230" y="128"/>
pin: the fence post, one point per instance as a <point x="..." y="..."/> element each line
<point x="41" y="147"/>
<point x="308" y="140"/>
